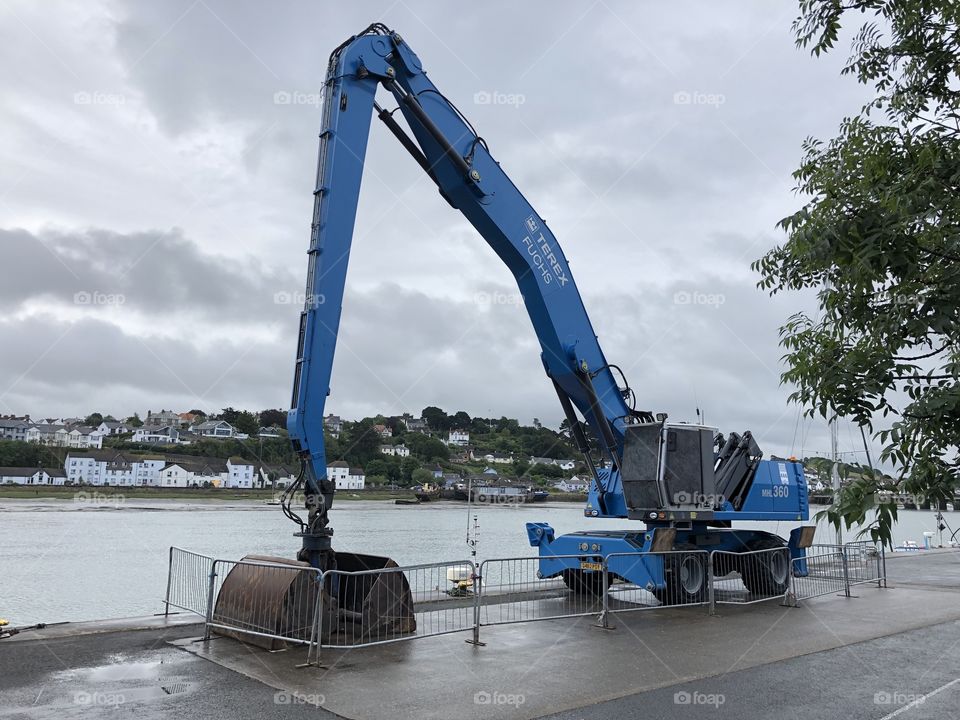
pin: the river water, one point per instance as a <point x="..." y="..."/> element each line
<point x="64" y="560"/>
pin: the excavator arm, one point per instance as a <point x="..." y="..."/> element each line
<point x="458" y="160"/>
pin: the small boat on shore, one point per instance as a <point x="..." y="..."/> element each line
<point x="427" y="492"/>
<point x="406" y="501"/>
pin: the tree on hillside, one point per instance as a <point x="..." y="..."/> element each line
<point x="461" y="420"/>
<point x="878" y="239"/>
<point x="198" y="413"/>
<point x="427" y="448"/>
<point x="134" y="420"/>
<point x="93" y="419"/>
<point x="360" y="443"/>
<point x="269" y="418"/>
<point x="246" y="422"/>
<point x="436" y="418"/>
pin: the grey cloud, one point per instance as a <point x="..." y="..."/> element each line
<point x="157" y="273"/>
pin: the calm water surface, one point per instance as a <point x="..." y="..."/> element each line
<point x="63" y="560"/>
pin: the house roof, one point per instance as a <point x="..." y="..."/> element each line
<point x="18" y="471"/>
<point x="357" y="471"/>
<point x="338" y="463"/>
<point x="210" y="424"/>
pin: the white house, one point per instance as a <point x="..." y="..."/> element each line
<point x="383" y="431"/>
<point x="566" y="464"/>
<point x="81" y="436"/>
<point x="345" y="477"/>
<point x="112" y="427"/>
<point x="215" y="429"/>
<point x="240" y="474"/>
<point x="175" y="475"/>
<point x="168" y="435"/>
<point x="31" y="476"/>
<point x="48" y="434"/>
<point x="575" y="484"/>
<point x="400" y="450"/>
<point x="458" y="438"/>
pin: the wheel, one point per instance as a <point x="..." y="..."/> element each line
<point x="766" y="573"/>
<point x="685" y="576"/>
<point x="584" y="582"/>
<point x="481" y="498"/>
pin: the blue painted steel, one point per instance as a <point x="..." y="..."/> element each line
<point x="485" y="195"/>
<point x="472" y="182"/>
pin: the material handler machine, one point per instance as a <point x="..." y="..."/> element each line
<point x="686" y="482"/>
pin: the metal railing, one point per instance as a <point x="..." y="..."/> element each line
<point x="187" y="576"/>
<point x="866" y="562"/>
<point x="823" y="571"/>
<point x="749" y="577"/>
<point x="683" y="574"/>
<point x="372" y="607"/>
<point x="275" y="604"/>
<point x="514" y="590"/>
<point x="267" y="604"/>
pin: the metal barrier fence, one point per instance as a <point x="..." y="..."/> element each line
<point x="372" y="607"/>
<point x="684" y="575"/>
<point x="866" y="562"/>
<point x="822" y="572"/>
<point x="750" y="577"/>
<point x="273" y="604"/>
<point x="187" y="575"/>
<point x="266" y="604"/>
<point x="513" y="590"/>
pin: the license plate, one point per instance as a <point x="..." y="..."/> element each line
<point x="584" y="565"/>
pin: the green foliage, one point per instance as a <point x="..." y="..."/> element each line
<point x="93" y="419"/>
<point x="427" y="448"/>
<point x="421" y="476"/>
<point x="135" y="421"/>
<point x="15" y="453"/>
<point x="268" y="418"/>
<point x="878" y="238"/>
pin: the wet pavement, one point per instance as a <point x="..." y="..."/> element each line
<point x="884" y="653"/>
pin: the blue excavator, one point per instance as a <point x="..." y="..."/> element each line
<point x="686" y="482"/>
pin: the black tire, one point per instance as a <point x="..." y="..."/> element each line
<point x="766" y="574"/>
<point x="685" y="576"/>
<point x="584" y="582"/>
<point x="481" y="498"/>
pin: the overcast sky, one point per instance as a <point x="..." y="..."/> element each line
<point x="155" y="200"/>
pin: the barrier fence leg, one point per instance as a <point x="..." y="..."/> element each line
<point x="316" y="633"/>
<point x="711" y="591"/>
<point x="210" y="588"/>
<point x="846" y="573"/>
<point x="882" y="563"/>
<point x="604" y="620"/>
<point x="477" y="600"/>
<point x="166" y="598"/>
